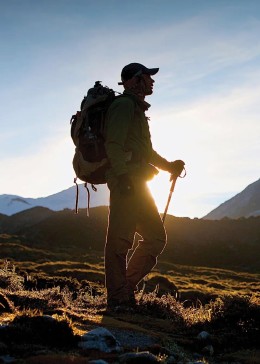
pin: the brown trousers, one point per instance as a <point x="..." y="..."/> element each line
<point x="128" y="215"/>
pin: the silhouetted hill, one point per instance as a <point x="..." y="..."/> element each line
<point x="220" y="243"/>
<point x="65" y="229"/>
<point x="2" y="216"/>
<point x="216" y="243"/>
<point x="244" y="204"/>
<point x="22" y="220"/>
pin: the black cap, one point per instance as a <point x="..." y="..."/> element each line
<point x="135" y="69"/>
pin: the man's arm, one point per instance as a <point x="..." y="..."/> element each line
<point x="175" y="168"/>
<point x="159" y="161"/>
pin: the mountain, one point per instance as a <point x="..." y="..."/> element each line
<point x="11" y="204"/>
<point x="24" y="219"/>
<point x="244" y="204"/>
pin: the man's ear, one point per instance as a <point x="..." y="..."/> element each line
<point x="139" y="78"/>
<point x="130" y="84"/>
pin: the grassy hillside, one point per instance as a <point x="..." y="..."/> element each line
<point x="52" y="291"/>
<point x="193" y="282"/>
<point x="46" y="304"/>
<point x="225" y="243"/>
<point x="231" y="244"/>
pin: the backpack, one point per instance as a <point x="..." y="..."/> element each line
<point x="87" y="127"/>
<point x="87" y="132"/>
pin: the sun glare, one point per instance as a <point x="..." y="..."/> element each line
<point x="160" y="188"/>
<point x="180" y="205"/>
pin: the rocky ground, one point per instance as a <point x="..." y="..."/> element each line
<point x="65" y="321"/>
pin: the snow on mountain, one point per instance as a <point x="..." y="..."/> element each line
<point x="244" y="204"/>
<point x="11" y="204"/>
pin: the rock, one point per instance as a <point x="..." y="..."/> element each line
<point x="171" y="360"/>
<point x="203" y="335"/>
<point x="49" y="318"/>
<point x="7" y="359"/>
<point x="133" y="340"/>
<point x="100" y="339"/>
<point x="38" y="330"/>
<point x="197" y="357"/>
<point x="157" y="349"/>
<point x="162" y="286"/>
<point x="142" y="358"/>
<point x="208" y="350"/>
<point x="204" y="343"/>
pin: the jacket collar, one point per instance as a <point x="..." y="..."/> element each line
<point x="142" y="103"/>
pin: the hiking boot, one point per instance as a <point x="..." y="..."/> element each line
<point x="119" y="309"/>
<point x="121" y="306"/>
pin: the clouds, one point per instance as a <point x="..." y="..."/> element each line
<point x="205" y="107"/>
<point x="201" y="51"/>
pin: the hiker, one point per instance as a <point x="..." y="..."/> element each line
<point x="132" y="208"/>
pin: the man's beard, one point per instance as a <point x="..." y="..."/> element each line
<point x="142" y="89"/>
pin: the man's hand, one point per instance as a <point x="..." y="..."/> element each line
<point x="176" y="167"/>
<point x="125" y="185"/>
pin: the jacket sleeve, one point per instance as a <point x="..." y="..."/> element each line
<point x="159" y="161"/>
<point x="119" y="118"/>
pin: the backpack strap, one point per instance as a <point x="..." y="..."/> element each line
<point x="77" y="197"/>
<point x="88" y="196"/>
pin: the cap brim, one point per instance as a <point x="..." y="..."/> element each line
<point x="151" y="71"/>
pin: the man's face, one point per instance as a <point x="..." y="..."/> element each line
<point x="142" y="84"/>
<point x="148" y="84"/>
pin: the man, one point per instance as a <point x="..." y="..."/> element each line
<point x="132" y="208"/>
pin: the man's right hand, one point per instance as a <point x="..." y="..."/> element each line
<point x="176" y="167"/>
<point x="125" y="185"/>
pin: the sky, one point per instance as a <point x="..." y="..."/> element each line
<point x="205" y="106"/>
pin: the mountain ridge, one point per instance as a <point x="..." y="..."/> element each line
<point x="12" y="204"/>
<point x="244" y="204"/>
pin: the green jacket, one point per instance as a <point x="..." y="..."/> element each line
<point x="127" y="136"/>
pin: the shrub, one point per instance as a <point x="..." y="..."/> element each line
<point x="9" y="279"/>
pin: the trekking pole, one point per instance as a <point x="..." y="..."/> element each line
<point x="173" y="179"/>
